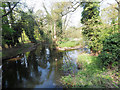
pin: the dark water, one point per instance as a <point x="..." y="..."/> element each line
<point x="40" y="68"/>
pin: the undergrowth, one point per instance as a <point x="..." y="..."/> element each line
<point x="91" y="74"/>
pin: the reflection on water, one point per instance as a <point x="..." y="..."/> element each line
<point x="39" y="68"/>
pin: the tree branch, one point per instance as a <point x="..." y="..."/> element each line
<point x="45" y="9"/>
<point x="114" y="6"/>
<point x="118" y="2"/>
<point x="10" y="10"/>
<point x="72" y="7"/>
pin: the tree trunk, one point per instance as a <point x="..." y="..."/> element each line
<point x="52" y="31"/>
<point x="11" y="15"/>
<point x="22" y="38"/>
<point x="55" y="30"/>
<point x="119" y="18"/>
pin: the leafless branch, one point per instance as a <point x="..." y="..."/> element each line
<point x="72" y="7"/>
<point x="67" y="19"/>
<point x="113" y="6"/>
<point x="118" y="2"/>
<point x="45" y="9"/>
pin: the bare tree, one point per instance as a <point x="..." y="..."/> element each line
<point x="118" y="8"/>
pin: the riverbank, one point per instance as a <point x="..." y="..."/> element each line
<point x="70" y="45"/>
<point x="11" y="52"/>
<point x="68" y="48"/>
<point x="91" y="74"/>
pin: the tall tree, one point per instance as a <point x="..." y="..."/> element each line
<point x="28" y="23"/>
<point x="90" y="18"/>
<point x="10" y="29"/>
<point x="10" y="10"/>
<point x="58" y="10"/>
<point x="118" y="8"/>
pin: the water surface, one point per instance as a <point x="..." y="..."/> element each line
<point x="40" y="68"/>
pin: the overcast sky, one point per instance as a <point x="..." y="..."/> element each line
<point x="75" y="17"/>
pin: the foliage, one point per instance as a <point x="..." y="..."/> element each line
<point x="7" y="32"/>
<point x="24" y="38"/>
<point x="28" y="24"/>
<point x="11" y="28"/>
<point x="91" y="76"/>
<point x="91" y="21"/>
<point x="97" y="36"/>
<point x="84" y="60"/>
<point x="11" y="34"/>
<point x="111" y="50"/>
<point x="90" y="11"/>
<point x="15" y="23"/>
<point x="95" y="30"/>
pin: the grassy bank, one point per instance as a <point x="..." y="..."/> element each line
<point x="71" y="37"/>
<point x="70" y="43"/>
<point x="91" y="74"/>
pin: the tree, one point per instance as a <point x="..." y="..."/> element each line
<point x="11" y="9"/>
<point x="118" y="8"/>
<point x="90" y="19"/>
<point x="15" y="22"/>
<point x="55" y="17"/>
<point x="11" y="32"/>
<point x="28" y="24"/>
<point x="110" y="16"/>
<point x="40" y="21"/>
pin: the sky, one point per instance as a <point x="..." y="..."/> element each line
<point x="75" y="17"/>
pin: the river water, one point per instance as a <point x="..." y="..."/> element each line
<point x="39" y="68"/>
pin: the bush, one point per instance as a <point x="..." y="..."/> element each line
<point x="111" y="50"/>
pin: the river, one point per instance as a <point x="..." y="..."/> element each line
<point x="39" y="68"/>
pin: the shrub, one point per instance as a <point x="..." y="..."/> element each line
<point x="111" y="50"/>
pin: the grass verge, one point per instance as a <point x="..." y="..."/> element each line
<point x="70" y="43"/>
<point x="91" y="75"/>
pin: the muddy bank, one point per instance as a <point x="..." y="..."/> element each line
<point x="11" y="52"/>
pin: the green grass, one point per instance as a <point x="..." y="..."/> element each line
<point x="69" y="44"/>
<point x="65" y="42"/>
<point x="91" y="75"/>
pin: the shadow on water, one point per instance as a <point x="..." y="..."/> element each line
<point x="40" y="68"/>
